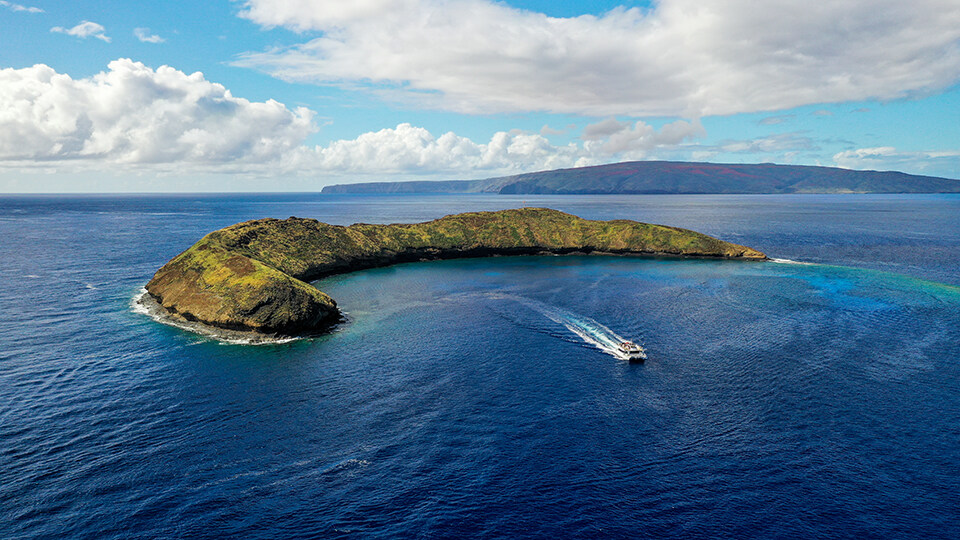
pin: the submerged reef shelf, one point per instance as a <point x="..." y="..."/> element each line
<point x="252" y="276"/>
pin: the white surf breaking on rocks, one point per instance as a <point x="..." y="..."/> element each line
<point x="145" y="304"/>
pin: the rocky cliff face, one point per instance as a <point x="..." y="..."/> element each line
<point x="252" y="276"/>
<point x="211" y="284"/>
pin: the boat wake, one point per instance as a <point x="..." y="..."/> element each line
<point x="588" y="330"/>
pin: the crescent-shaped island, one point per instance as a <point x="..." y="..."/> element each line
<point x="253" y="276"/>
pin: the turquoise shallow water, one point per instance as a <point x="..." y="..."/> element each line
<point x="479" y="397"/>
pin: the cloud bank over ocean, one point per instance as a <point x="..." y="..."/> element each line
<point x="340" y="92"/>
<point x="134" y="115"/>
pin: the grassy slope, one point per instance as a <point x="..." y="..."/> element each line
<point x="307" y="249"/>
<point x="251" y="275"/>
<point x="214" y="285"/>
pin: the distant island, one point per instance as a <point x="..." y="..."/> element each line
<point x="252" y="276"/>
<point x="667" y="177"/>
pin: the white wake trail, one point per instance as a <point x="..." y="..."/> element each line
<point x="789" y="261"/>
<point x="587" y="329"/>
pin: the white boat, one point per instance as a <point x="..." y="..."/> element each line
<point x="632" y="351"/>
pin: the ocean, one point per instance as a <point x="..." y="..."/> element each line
<point x="814" y="396"/>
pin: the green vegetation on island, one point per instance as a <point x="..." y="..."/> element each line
<point x="253" y="276"/>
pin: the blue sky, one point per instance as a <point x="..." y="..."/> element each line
<point x="296" y="94"/>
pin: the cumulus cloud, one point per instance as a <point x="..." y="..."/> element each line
<point x="678" y="58"/>
<point x="134" y="114"/>
<point x="84" y="30"/>
<point x="19" y="7"/>
<point x="133" y="117"/>
<point x="613" y="137"/>
<point x="144" y="35"/>
<point x="939" y="163"/>
<point x="410" y="149"/>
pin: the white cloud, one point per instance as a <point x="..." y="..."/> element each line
<point x="680" y="57"/>
<point x="938" y="163"/>
<point x="776" y="120"/>
<point x="777" y="144"/>
<point x="410" y="149"/>
<point x="854" y="156"/>
<point x="778" y="147"/>
<point x="603" y="129"/>
<point x="612" y="137"/>
<point x="133" y="114"/>
<point x="84" y="30"/>
<point x="144" y="35"/>
<point x="407" y="149"/>
<point x="19" y="7"/>
<point x="546" y="131"/>
<point x="132" y="117"/>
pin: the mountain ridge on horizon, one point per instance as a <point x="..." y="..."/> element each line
<point x="674" y="178"/>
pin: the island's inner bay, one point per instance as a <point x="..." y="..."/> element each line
<point x="604" y="298"/>
<point x="479" y="396"/>
<point x="251" y="276"/>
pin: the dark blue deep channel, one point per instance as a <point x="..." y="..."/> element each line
<point x="477" y="398"/>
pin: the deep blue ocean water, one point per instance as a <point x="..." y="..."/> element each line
<point x="479" y="397"/>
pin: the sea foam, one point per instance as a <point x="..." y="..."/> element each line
<point x="590" y="331"/>
<point x="143" y="303"/>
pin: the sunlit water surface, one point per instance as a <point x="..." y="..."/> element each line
<point x="485" y="397"/>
